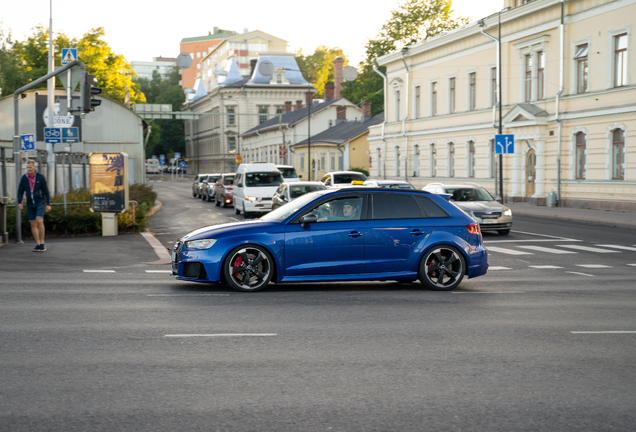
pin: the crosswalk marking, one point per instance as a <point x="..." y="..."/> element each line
<point x="633" y="265"/>
<point x="598" y="266"/>
<point x="158" y="271"/>
<point x="545" y="267"/>
<point x="588" y="248"/>
<point x="580" y="274"/>
<point x="629" y="248"/>
<point x="547" y="250"/>
<point x="495" y="268"/>
<point x="507" y="251"/>
<point x="99" y="271"/>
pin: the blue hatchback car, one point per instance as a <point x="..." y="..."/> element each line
<point x="351" y="234"/>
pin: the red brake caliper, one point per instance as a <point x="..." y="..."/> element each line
<point x="237" y="263"/>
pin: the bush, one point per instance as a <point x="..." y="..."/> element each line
<point x="360" y="170"/>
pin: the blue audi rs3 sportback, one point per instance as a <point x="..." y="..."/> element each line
<point x="350" y="234"/>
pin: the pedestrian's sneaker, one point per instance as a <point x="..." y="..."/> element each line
<point x="42" y="247"/>
<point x="37" y="249"/>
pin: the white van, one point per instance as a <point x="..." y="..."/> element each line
<point x="152" y="166"/>
<point x="289" y="173"/>
<point x="254" y="186"/>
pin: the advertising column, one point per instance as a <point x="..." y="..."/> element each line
<point x="109" y="188"/>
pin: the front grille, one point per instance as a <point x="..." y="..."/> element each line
<point x="194" y="270"/>
<point x="484" y="215"/>
<point x="265" y="199"/>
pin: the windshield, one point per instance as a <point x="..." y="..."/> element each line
<point x="228" y="180"/>
<point x="282" y="213"/>
<point x="263" y="179"/>
<point x="296" y="191"/>
<point x="288" y="172"/>
<point x="348" y="178"/>
<point x="469" y="194"/>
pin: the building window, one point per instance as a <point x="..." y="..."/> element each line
<point x="231" y="144"/>
<point x="580" y="155"/>
<point x="416" y="160"/>
<point x="279" y="78"/>
<point x="280" y="109"/>
<point x="396" y="153"/>
<point x="262" y="114"/>
<point x="451" y="95"/>
<point x="493" y="86"/>
<point x="451" y="159"/>
<point x="433" y="161"/>
<point x="302" y="162"/>
<point x="471" y="159"/>
<point x="231" y="118"/>
<point x="434" y="99"/>
<point x="493" y="159"/>
<point x="417" y="101"/>
<point x="378" y="162"/>
<point x="620" y="60"/>
<point x="397" y="105"/>
<point x="472" y="79"/>
<point x="528" y="77"/>
<point x="332" y="162"/>
<point x="581" y="68"/>
<point x="540" y="75"/>
<point x="322" y="162"/>
<point x="618" y="155"/>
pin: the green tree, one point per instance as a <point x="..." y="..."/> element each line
<point x="411" y="22"/>
<point x="12" y="75"/>
<point x="318" y="67"/>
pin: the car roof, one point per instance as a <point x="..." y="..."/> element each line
<point x="304" y="183"/>
<point x="344" y="172"/>
<point x="368" y="189"/>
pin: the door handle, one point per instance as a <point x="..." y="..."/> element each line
<point x="417" y="232"/>
<point x="354" y="234"/>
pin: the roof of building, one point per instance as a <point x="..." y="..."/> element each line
<point x="291" y="117"/>
<point x="343" y="132"/>
<point x="218" y="34"/>
<point x="534" y="110"/>
<point x="287" y="62"/>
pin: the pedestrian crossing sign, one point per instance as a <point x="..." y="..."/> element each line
<point x="69" y="55"/>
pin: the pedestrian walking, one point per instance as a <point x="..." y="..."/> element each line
<point x="38" y="201"/>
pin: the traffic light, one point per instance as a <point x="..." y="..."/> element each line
<point x="88" y="103"/>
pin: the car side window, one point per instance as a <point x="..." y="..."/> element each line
<point x="341" y="209"/>
<point x="432" y="209"/>
<point x="238" y="178"/>
<point x="395" y="206"/>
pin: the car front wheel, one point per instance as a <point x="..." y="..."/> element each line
<point x="248" y="268"/>
<point x="442" y="268"/>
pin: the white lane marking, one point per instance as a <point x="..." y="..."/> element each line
<point x="633" y="265"/>
<point x="99" y="271"/>
<point x="545" y="235"/>
<point x="159" y="271"/>
<point x="498" y="268"/>
<point x="545" y="267"/>
<point x="530" y="241"/>
<point x="234" y="219"/>
<point x="599" y="266"/>
<point x="629" y="248"/>
<point x="507" y="251"/>
<point x="222" y="335"/>
<point x="547" y="250"/>
<point x="605" y="332"/>
<point x="588" y="248"/>
<point x="486" y="292"/>
<point x="187" y="295"/>
<point x="580" y="274"/>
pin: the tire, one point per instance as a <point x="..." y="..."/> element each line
<point x="209" y="198"/>
<point x="203" y="197"/>
<point x="216" y="201"/>
<point x="245" y="215"/>
<point x="248" y="268"/>
<point x="442" y="268"/>
<point x="236" y="210"/>
<point x="194" y="195"/>
<point x="503" y="232"/>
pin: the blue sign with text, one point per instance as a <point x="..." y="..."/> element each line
<point x="504" y="144"/>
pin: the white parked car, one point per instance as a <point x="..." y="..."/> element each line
<point x="338" y="179"/>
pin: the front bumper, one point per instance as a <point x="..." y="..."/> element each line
<point x="196" y="265"/>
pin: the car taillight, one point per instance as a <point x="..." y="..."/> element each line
<point x="473" y="228"/>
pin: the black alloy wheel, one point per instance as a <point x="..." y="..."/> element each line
<point x="442" y="268"/>
<point x="248" y="268"/>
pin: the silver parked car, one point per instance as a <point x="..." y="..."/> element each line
<point x="289" y="191"/>
<point x="477" y="202"/>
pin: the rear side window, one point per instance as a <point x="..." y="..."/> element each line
<point x="395" y="206"/>
<point x="228" y="180"/>
<point x="432" y="209"/>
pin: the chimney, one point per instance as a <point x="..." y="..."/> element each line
<point x="329" y="88"/>
<point x="309" y="97"/>
<point x="288" y="106"/>
<point x="299" y="104"/>
<point x="252" y="66"/>
<point x="337" y="75"/>
<point x="341" y="114"/>
<point x="366" y="111"/>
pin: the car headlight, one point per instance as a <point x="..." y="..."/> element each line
<point x="507" y="212"/>
<point x="200" y="244"/>
<point x="247" y="198"/>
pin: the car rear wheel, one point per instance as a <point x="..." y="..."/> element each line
<point x="236" y="210"/>
<point x="248" y="268"/>
<point x="503" y="232"/>
<point x="442" y="268"/>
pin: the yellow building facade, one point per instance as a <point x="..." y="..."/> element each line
<point x="568" y="97"/>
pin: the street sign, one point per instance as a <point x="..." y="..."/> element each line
<point x="182" y="164"/>
<point x="177" y="155"/>
<point x="28" y="142"/>
<point x="52" y="135"/>
<point x="70" y="135"/>
<point x="69" y="55"/>
<point x="76" y="76"/>
<point x="504" y="144"/>
<point x="153" y="157"/>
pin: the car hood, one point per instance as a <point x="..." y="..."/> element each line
<point x="229" y="229"/>
<point x="480" y="205"/>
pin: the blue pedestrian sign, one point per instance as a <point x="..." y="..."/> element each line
<point x="70" y="135"/>
<point x="504" y="144"/>
<point x="182" y="164"/>
<point x="162" y="159"/>
<point x="177" y="155"/>
<point x="52" y="135"/>
<point x="69" y="55"/>
<point x="28" y="142"/>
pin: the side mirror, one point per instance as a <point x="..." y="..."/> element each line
<point x="308" y="219"/>
<point x="239" y="185"/>
<point x="283" y="197"/>
<point x="498" y="199"/>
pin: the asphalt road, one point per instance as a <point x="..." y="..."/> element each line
<point x="524" y="348"/>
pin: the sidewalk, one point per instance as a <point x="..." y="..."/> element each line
<point x="612" y="218"/>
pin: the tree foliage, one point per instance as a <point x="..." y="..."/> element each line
<point x="412" y="22"/>
<point x="318" y="67"/>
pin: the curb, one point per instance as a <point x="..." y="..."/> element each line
<point x="158" y="206"/>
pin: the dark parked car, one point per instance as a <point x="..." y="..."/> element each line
<point x="207" y="187"/>
<point x="224" y="190"/>
<point x="288" y="192"/>
<point x="348" y="234"/>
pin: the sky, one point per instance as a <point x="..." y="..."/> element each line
<point x="141" y="30"/>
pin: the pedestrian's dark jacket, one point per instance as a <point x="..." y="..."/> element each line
<point x="40" y="190"/>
